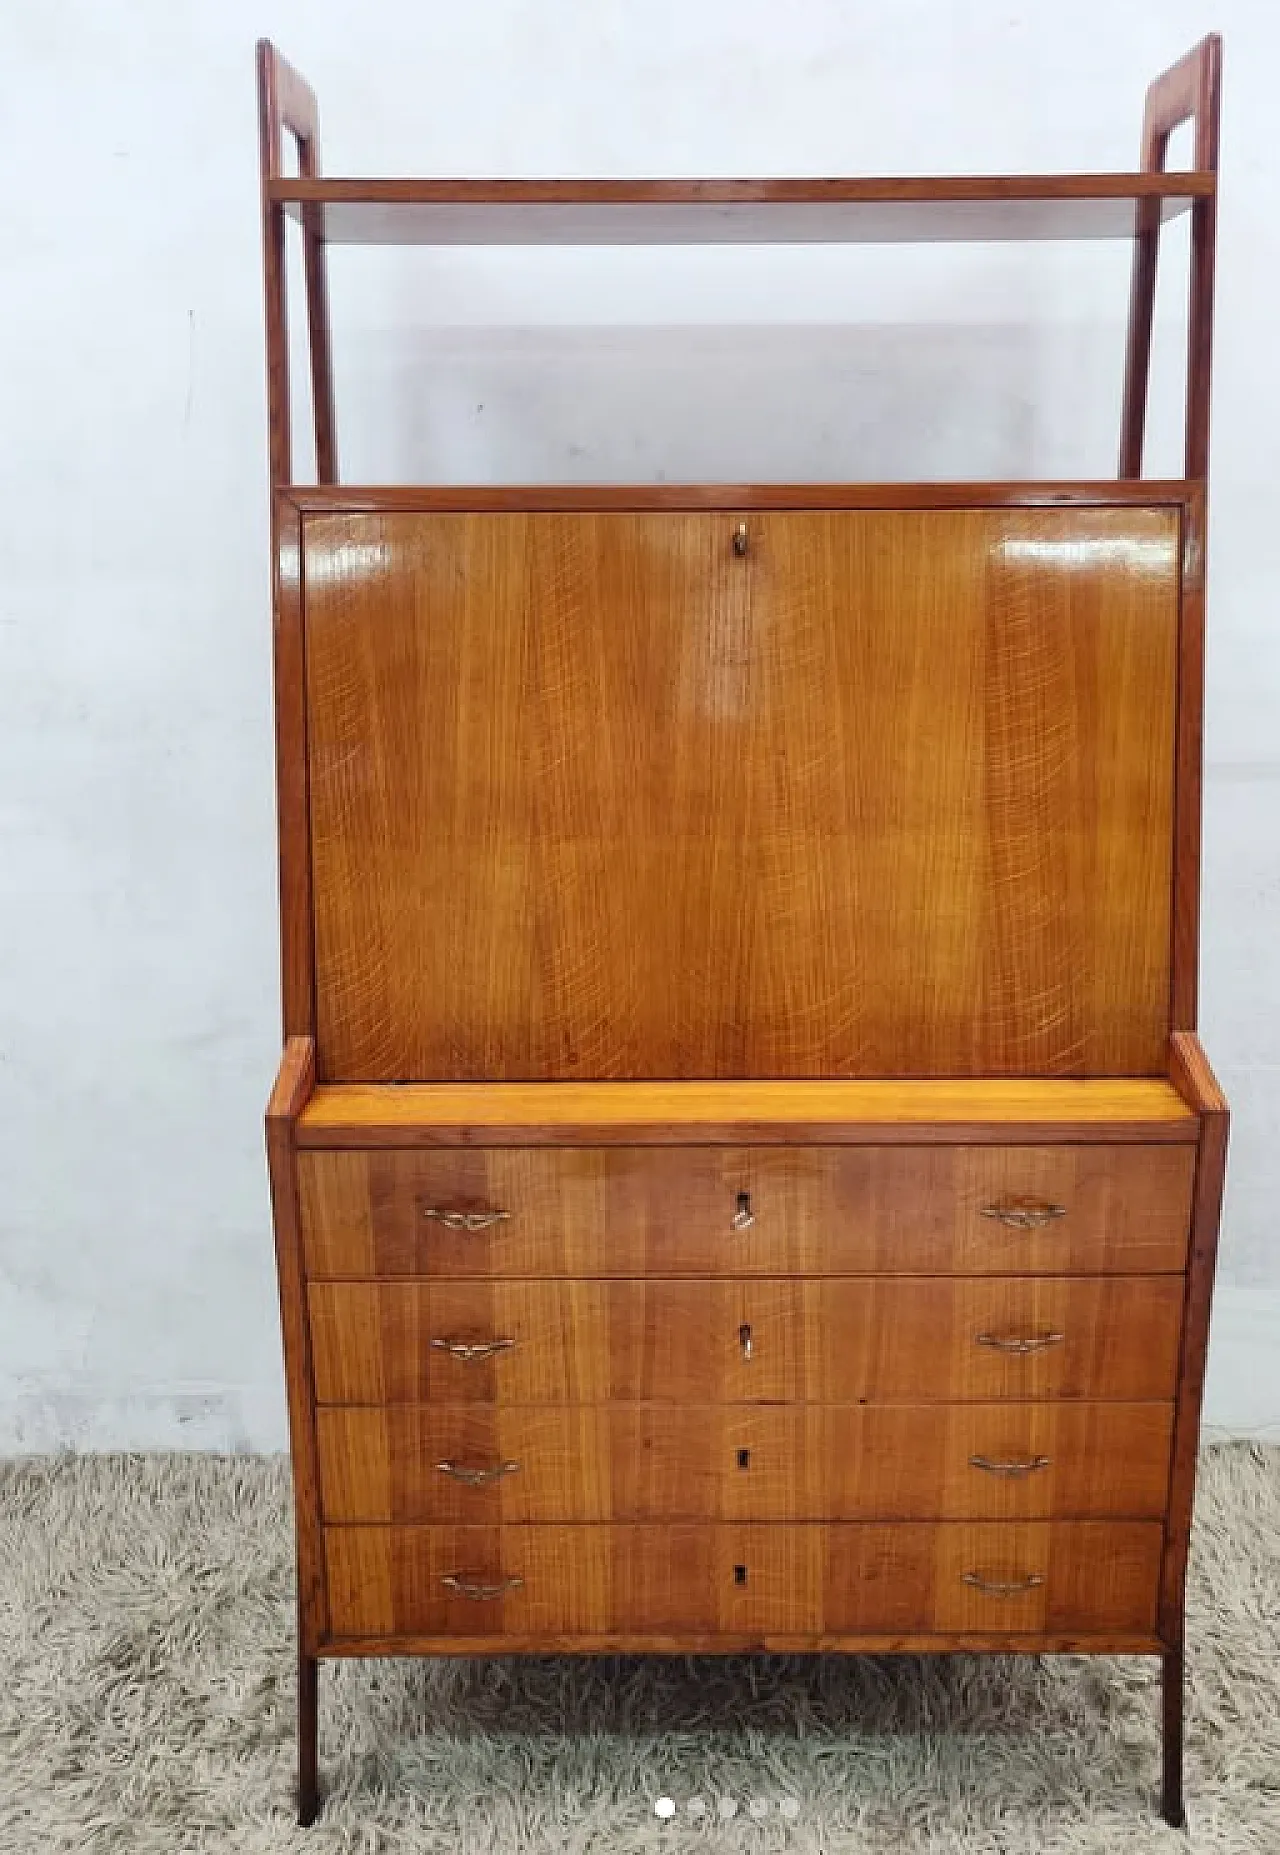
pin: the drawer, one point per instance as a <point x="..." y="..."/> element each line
<point x="1011" y="1578"/>
<point x="613" y="1211"/>
<point x="842" y="1340"/>
<point x="597" y="1462"/>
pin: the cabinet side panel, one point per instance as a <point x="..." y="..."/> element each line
<point x="297" y="953"/>
<point x="874" y="792"/>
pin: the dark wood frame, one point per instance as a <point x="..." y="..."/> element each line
<point x="1190" y="90"/>
<point x="293" y="1087"/>
<point x="1191" y="1074"/>
<point x="441" y="498"/>
<point x="287" y="102"/>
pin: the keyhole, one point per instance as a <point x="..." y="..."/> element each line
<point x="739" y="1574"/>
<point x="744" y="1217"/>
<point x="744" y="1458"/>
<point x="744" y="1339"/>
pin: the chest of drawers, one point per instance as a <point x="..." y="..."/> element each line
<point x="745" y="1176"/>
<point x="773" y="1395"/>
<point x="904" y="1368"/>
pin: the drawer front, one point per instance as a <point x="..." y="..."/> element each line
<point x="547" y="1581"/>
<point x="835" y="1341"/>
<point x="694" y="1211"/>
<point x="451" y="1464"/>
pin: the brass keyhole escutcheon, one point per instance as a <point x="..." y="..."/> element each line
<point x="741" y="539"/>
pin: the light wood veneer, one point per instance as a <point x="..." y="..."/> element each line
<point x="610" y="799"/>
<point x="1092" y="1576"/>
<point x="1011" y="1109"/>
<point x="840" y="1340"/>
<point x="739" y="1211"/>
<point x="599" y="1462"/>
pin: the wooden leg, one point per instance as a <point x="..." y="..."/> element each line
<point x="308" y="1700"/>
<point x="1171" y="1683"/>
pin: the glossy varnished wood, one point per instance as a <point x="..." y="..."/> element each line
<point x="1191" y="1071"/>
<point x="843" y="1340"/>
<point x="593" y="795"/>
<point x="293" y="1084"/>
<point x="297" y="940"/>
<point x="1014" y="1109"/>
<point x="914" y="209"/>
<point x="1188" y="799"/>
<point x="515" y="1464"/>
<point x="753" y="1579"/>
<point x="561" y="498"/>
<point x="498" y="703"/>
<point x="707" y="1210"/>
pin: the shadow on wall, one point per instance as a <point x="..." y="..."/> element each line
<point x="730" y="404"/>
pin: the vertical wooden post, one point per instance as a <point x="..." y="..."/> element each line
<point x="1191" y="1075"/>
<point x="1189" y="91"/>
<point x="286" y="101"/>
<point x="294" y="1083"/>
<point x="308" y="1738"/>
<point x="1172" y="1690"/>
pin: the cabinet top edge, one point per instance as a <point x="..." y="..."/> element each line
<point x="535" y="498"/>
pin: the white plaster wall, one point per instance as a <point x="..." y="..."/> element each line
<point x="138" y="1002"/>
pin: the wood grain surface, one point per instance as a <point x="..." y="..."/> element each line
<point x="369" y="1114"/>
<point x="294" y="1081"/>
<point x="594" y="795"/>
<point x="596" y="1462"/>
<point x="1194" y="1075"/>
<point x="1093" y="1575"/>
<point x="843" y="1340"/>
<point x="610" y="1211"/>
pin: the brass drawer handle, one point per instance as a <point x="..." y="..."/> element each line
<point x="1030" y="1343"/>
<point x="477" y="1478"/>
<point x="1024" y="1213"/>
<point x="741" y="540"/>
<point x="745" y="1340"/>
<point x="997" y="1587"/>
<point x="468" y="1350"/>
<point x="466" y="1220"/>
<point x="1026" y="1467"/>
<point x="476" y="1589"/>
<point x="744" y="1217"/>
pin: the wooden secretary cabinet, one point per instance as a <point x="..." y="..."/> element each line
<point x="744" y="1172"/>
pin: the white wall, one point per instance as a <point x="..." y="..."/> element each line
<point x="138" y="1004"/>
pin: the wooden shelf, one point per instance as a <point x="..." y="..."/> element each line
<point x="964" y="209"/>
<point x="738" y="1113"/>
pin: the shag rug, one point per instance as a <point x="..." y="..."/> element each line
<point x="147" y="1686"/>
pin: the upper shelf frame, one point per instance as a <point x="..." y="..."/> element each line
<point x="958" y="209"/>
<point x="623" y="212"/>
